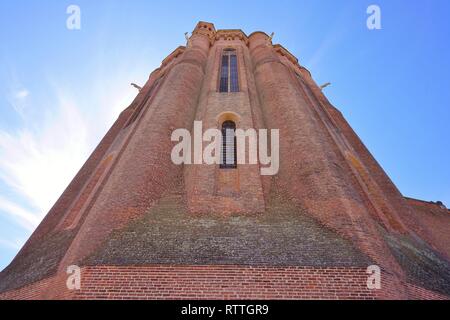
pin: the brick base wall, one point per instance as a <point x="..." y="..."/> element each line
<point x="419" y="293"/>
<point x="223" y="282"/>
<point x="31" y="292"/>
<point x="219" y="282"/>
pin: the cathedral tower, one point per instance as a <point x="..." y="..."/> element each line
<point x="139" y="225"/>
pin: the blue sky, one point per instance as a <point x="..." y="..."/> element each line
<point x="60" y="89"/>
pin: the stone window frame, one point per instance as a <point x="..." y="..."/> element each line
<point x="232" y="86"/>
<point x="225" y="126"/>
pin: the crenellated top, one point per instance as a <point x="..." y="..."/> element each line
<point x="231" y="34"/>
<point x="254" y="40"/>
<point x="208" y="29"/>
<point x="205" y="28"/>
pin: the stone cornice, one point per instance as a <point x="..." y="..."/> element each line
<point x="208" y="29"/>
<point x="284" y="52"/>
<point x="178" y="51"/>
<point x="231" y="34"/>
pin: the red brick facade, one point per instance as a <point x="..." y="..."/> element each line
<point x="222" y="282"/>
<point x="326" y="174"/>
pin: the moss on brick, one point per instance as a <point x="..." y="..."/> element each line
<point x="423" y="265"/>
<point x="36" y="262"/>
<point x="283" y="236"/>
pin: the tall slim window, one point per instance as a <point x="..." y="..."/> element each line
<point x="229" y="148"/>
<point x="229" y="81"/>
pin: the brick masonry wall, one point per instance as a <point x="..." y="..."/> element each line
<point x="31" y="292"/>
<point x="309" y="155"/>
<point x="420" y="293"/>
<point x="166" y="282"/>
<point x="223" y="282"/>
<point x="144" y="170"/>
<point x="432" y="223"/>
<point x="208" y="187"/>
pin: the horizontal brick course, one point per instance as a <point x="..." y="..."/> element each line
<point x="223" y="282"/>
<point x="169" y="282"/>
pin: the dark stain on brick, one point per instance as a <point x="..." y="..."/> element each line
<point x="38" y="261"/>
<point x="283" y="236"/>
<point x="423" y="265"/>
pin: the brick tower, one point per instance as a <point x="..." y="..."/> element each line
<point x="140" y="226"/>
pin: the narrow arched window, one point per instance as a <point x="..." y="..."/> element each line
<point x="229" y="81"/>
<point x="229" y="149"/>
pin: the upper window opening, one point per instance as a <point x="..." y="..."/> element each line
<point x="229" y="81"/>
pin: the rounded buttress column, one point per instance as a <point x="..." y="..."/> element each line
<point x="310" y="163"/>
<point x="306" y="152"/>
<point x="144" y="170"/>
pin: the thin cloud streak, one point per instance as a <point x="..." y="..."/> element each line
<point x="38" y="163"/>
<point x="27" y="219"/>
<point x="333" y="38"/>
<point x="18" y="99"/>
<point x="14" y="245"/>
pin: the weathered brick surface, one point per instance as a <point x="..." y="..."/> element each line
<point x="283" y="236"/>
<point x="208" y="187"/>
<point x="430" y="221"/>
<point x="422" y="265"/>
<point x="30" y="292"/>
<point x="223" y="282"/>
<point x="313" y="169"/>
<point x="37" y="261"/>
<point x="144" y="170"/>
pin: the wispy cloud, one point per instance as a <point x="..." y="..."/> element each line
<point x="17" y="94"/>
<point x="38" y="160"/>
<point x="12" y="244"/>
<point x="38" y="163"/>
<point x="56" y="106"/>
<point x="24" y="217"/>
<point x="22" y="94"/>
<point x="18" y="99"/>
<point x="333" y="38"/>
<point x="60" y="123"/>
